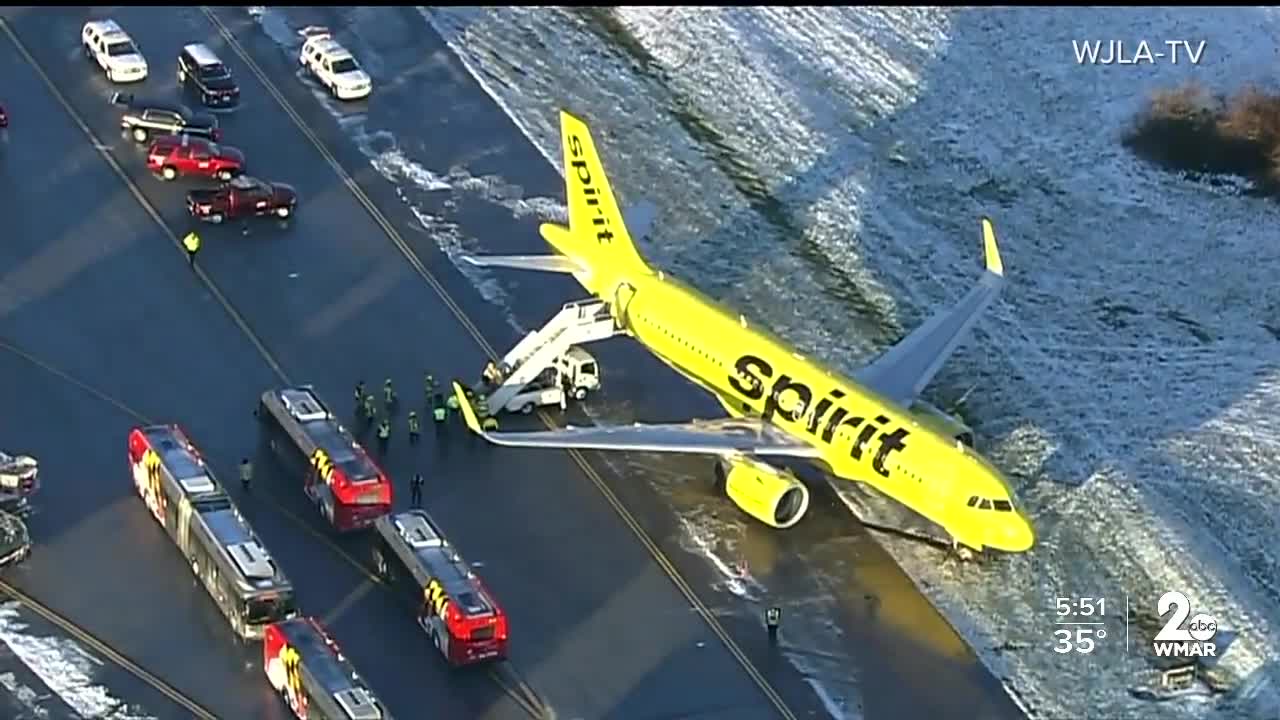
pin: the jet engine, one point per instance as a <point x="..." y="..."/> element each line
<point x="771" y="495"/>
<point x="941" y="422"/>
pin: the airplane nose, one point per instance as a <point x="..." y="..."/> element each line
<point x="1016" y="536"/>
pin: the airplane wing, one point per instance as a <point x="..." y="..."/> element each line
<point x="710" y="437"/>
<point x="639" y="218"/>
<point x="905" y="369"/>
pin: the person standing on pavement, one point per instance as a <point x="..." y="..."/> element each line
<point x="384" y="437"/>
<point x="388" y="395"/>
<point x="191" y="243"/>
<point x="415" y="489"/>
<point x="414" y="427"/>
<point x="438" y="413"/>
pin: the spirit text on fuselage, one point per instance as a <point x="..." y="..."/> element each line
<point x="749" y="381"/>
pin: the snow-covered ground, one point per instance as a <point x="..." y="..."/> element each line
<point x="845" y="155"/>
<point x="63" y="666"/>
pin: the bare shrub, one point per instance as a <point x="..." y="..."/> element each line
<point x="1189" y="103"/>
<point x="1186" y="128"/>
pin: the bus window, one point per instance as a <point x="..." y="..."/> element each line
<point x="985" y="504"/>
<point x="973" y="501"/>
<point x="265" y="610"/>
<point x="1004" y="506"/>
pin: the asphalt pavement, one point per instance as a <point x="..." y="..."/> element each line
<point x="96" y="290"/>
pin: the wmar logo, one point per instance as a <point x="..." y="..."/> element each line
<point x="1174" y="640"/>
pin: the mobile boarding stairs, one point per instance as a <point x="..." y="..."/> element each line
<point x="577" y="323"/>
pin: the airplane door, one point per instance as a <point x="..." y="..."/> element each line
<point x="621" y="299"/>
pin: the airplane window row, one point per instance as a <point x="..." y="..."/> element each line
<point x="985" y="504"/>
<point x="708" y="356"/>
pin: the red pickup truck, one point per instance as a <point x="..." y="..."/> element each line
<point x="188" y="155"/>
<point x="243" y="197"/>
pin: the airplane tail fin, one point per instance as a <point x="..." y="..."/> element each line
<point x="597" y="236"/>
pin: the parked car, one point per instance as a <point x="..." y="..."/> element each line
<point x="201" y="72"/>
<point x="189" y="155"/>
<point x="333" y="65"/>
<point x="243" y="197"/>
<point x="112" y="50"/>
<point x="145" y="118"/>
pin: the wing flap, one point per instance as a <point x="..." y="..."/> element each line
<point x="907" y="368"/>
<point x="709" y="437"/>
<point x="540" y="263"/>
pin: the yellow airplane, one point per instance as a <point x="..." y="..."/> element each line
<point x="872" y="428"/>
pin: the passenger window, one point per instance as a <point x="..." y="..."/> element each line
<point x="985" y="504"/>
<point x="973" y="501"/>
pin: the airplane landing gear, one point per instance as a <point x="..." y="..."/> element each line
<point x="962" y="553"/>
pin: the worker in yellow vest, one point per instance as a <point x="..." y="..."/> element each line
<point x="191" y="243"/>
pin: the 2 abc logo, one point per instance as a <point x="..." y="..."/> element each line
<point x="1194" y="640"/>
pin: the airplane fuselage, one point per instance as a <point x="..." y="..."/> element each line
<point x="860" y="435"/>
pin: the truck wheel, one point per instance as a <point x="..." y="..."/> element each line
<point x="169" y="172"/>
<point x="720" y="475"/>
<point x="140" y="134"/>
<point x="579" y="393"/>
<point x="216" y="218"/>
<point x="88" y="54"/>
<point x="526" y="408"/>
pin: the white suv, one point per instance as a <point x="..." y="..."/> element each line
<point x="114" y="51"/>
<point x="332" y="65"/>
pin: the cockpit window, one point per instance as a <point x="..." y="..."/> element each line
<point x="1003" y="505"/>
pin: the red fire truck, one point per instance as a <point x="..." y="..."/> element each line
<point x="312" y="675"/>
<point x="225" y="554"/>
<point x="339" y="476"/>
<point x="454" y="608"/>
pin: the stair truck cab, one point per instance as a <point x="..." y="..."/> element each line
<point x="576" y="372"/>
